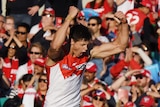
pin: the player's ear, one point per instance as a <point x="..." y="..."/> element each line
<point x="72" y="41"/>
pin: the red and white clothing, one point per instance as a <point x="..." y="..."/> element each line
<point x="136" y="17"/>
<point x="105" y="8"/>
<point x="28" y="97"/>
<point x="27" y="68"/>
<point x="126" y="6"/>
<point x="20" y="91"/>
<point x="36" y="29"/>
<point x="9" y="68"/>
<point x="65" y="81"/>
<point x="86" y="99"/>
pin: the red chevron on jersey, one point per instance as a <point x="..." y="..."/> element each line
<point x="136" y="17"/>
<point x="70" y="65"/>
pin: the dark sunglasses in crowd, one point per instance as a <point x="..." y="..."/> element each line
<point x="92" y="24"/>
<point x="109" y="19"/>
<point x="48" y="15"/>
<point x="36" y="53"/>
<point x="43" y="80"/>
<point x="98" y="98"/>
<point x="22" y="33"/>
<point x="139" y="76"/>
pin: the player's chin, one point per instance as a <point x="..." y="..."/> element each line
<point x="79" y="55"/>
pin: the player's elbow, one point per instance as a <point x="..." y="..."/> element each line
<point x="123" y="47"/>
<point x="54" y="46"/>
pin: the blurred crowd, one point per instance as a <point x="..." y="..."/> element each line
<point x="128" y="79"/>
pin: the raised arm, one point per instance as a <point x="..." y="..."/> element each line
<point x="60" y="35"/>
<point x="120" y="42"/>
<point x="115" y="86"/>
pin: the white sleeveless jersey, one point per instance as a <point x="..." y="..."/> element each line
<point x="64" y="83"/>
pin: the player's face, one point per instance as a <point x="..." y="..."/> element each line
<point x="79" y="47"/>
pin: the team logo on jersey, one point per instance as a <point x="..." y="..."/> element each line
<point x="78" y="67"/>
<point x="65" y="66"/>
<point x="81" y="66"/>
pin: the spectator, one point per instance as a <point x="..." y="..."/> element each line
<point x="57" y="4"/>
<point x="99" y="99"/>
<point x="42" y="90"/>
<point x="147" y="101"/>
<point x="2" y="21"/>
<point x="111" y="26"/>
<point x="123" y="96"/>
<point x="2" y="30"/>
<point x="135" y="36"/>
<point x="44" y="31"/>
<point x="91" y="83"/>
<point x="145" y="83"/>
<point x="39" y="68"/>
<point x="84" y="15"/>
<point x="142" y="22"/>
<point x="32" y="85"/>
<point x="11" y="58"/>
<point x="101" y="6"/>
<point x="94" y="24"/>
<point x="35" y="51"/>
<point x="6" y="27"/>
<point x="23" y="10"/>
<point x="81" y="18"/>
<point x="5" y="83"/>
<point x="9" y="24"/>
<point x="19" y="90"/>
<point x="135" y="58"/>
<point x="22" y="32"/>
<point x="125" y="5"/>
<point x="90" y="79"/>
<point x="27" y="94"/>
<point x="67" y="70"/>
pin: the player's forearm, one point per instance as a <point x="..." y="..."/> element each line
<point x="60" y="35"/>
<point x="105" y="50"/>
<point x="123" y="36"/>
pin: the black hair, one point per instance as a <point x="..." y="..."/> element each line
<point x="26" y="77"/>
<point x="80" y="32"/>
<point x="97" y="18"/>
<point x="25" y="25"/>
